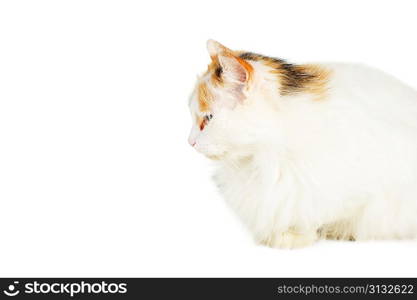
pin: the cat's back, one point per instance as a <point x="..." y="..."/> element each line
<point x="355" y="77"/>
<point x="371" y="89"/>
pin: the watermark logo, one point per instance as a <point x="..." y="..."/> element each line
<point x="68" y="288"/>
<point x="12" y="289"/>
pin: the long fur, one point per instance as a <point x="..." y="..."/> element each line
<point x="310" y="151"/>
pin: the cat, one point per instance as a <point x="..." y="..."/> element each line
<point x="310" y="151"/>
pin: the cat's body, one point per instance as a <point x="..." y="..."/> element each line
<point x="303" y="152"/>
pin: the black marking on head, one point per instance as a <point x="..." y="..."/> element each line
<point x="250" y="56"/>
<point x="293" y="78"/>
<point x="258" y="57"/>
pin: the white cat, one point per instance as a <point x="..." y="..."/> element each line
<point x="309" y="151"/>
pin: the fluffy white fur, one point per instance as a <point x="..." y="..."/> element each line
<point x="295" y="169"/>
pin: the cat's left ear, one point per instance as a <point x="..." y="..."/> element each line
<point x="234" y="68"/>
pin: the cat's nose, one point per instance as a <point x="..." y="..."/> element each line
<point x="191" y="142"/>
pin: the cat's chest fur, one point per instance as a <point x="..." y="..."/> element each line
<point x="263" y="192"/>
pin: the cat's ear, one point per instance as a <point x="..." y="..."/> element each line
<point x="214" y="48"/>
<point x="235" y="72"/>
<point x="234" y="68"/>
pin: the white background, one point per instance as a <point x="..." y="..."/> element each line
<point x="96" y="176"/>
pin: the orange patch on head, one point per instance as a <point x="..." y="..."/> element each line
<point x="214" y="64"/>
<point x="204" y="97"/>
<point x="311" y="79"/>
<point x="247" y="66"/>
<point x="215" y="70"/>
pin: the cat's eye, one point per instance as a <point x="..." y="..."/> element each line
<point x="206" y="119"/>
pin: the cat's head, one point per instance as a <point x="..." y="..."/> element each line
<point x="219" y="105"/>
<point x="238" y="104"/>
